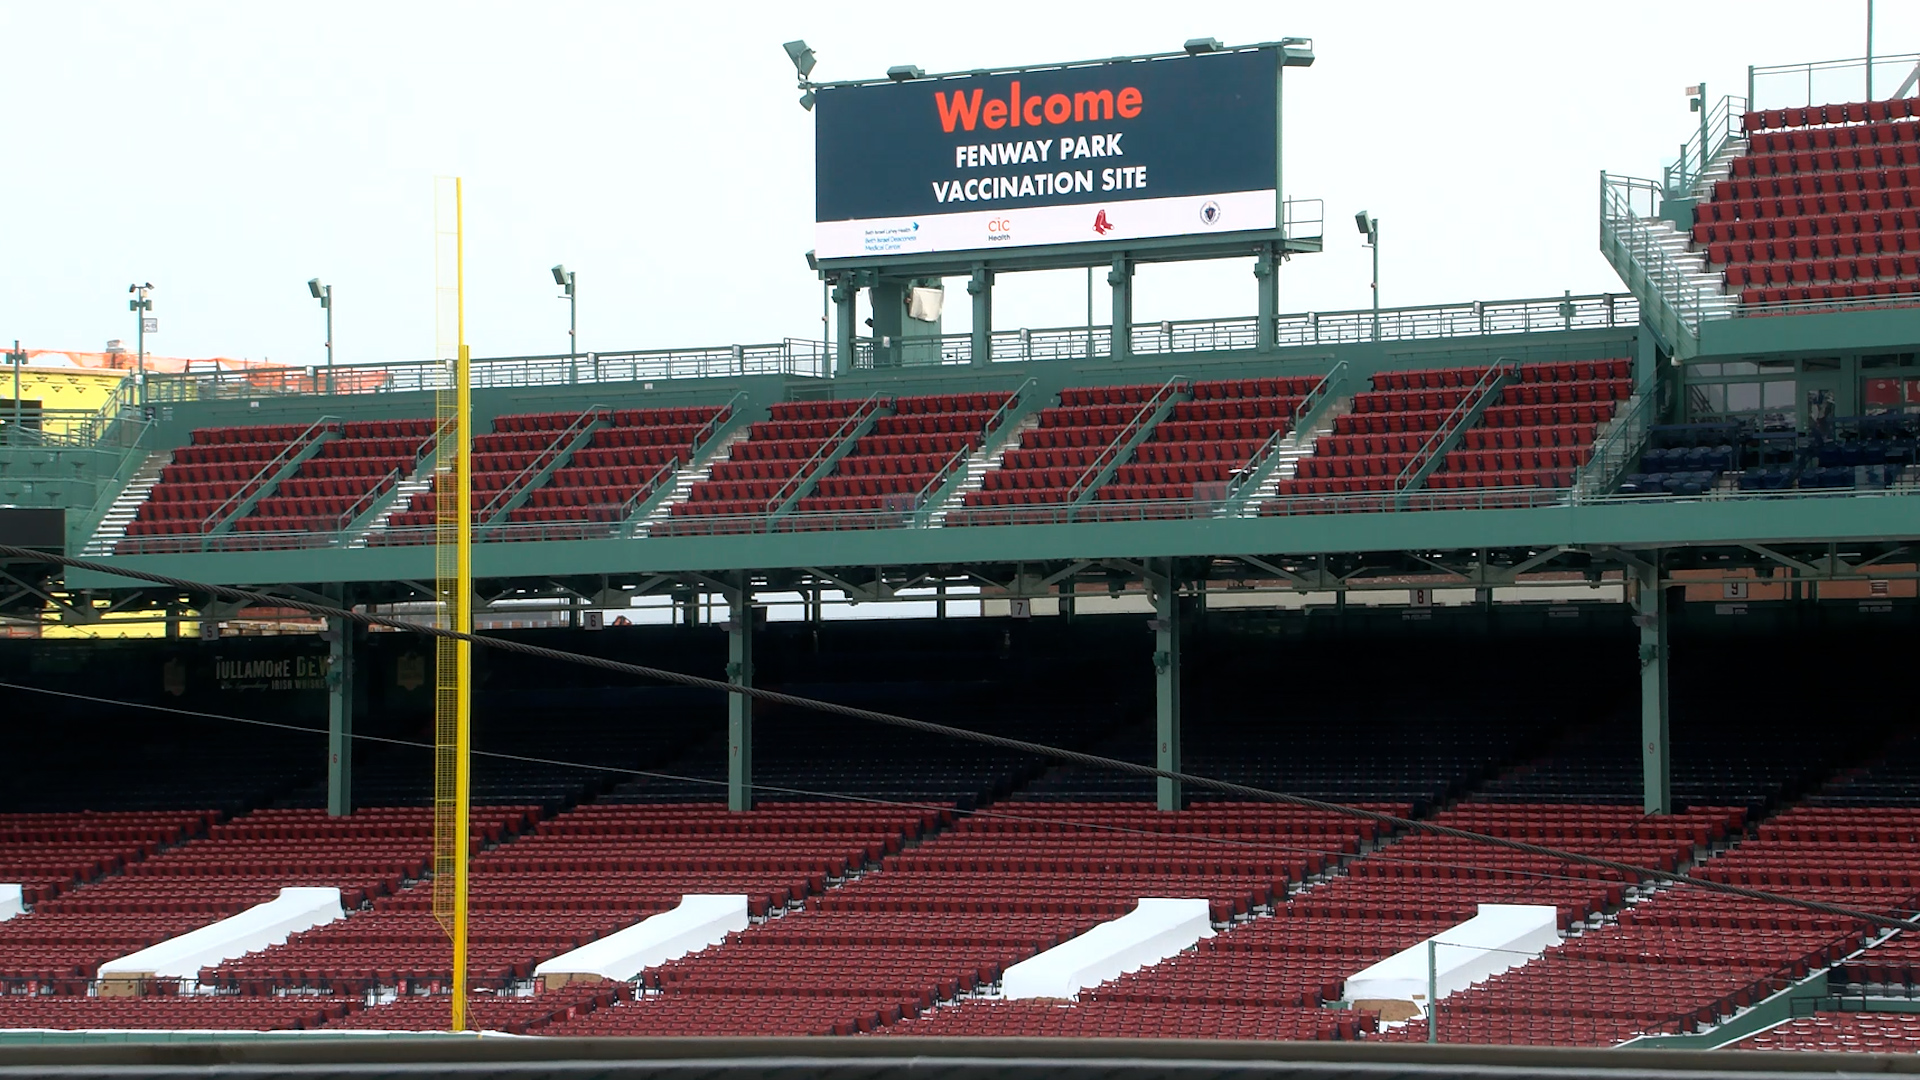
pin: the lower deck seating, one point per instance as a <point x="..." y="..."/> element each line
<point x="192" y="1012"/>
<point x="63" y="941"/>
<point x="209" y="478"/>
<point x="1057" y="460"/>
<point x="575" y="878"/>
<point x="622" y="464"/>
<point x="50" y="854"/>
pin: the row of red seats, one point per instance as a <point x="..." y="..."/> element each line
<point x="1851" y="234"/>
<point x="1862" y="205"/>
<point x="1816" y="270"/>
<point x="1859" y="290"/>
<point x="1834" y="137"/>
<point x="1845" y="161"/>
<point x="1856" y="112"/>
<point x="1855" y="1032"/>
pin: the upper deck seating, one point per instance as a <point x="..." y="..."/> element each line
<point x="1821" y="207"/>
<point x="344" y="479"/>
<point x="897" y="464"/>
<point x="764" y="468"/>
<point x="1537" y="433"/>
<point x="1064" y="452"/>
<point x="517" y="443"/>
<point x="212" y="474"/>
<point x="1206" y="442"/>
<point x="622" y="464"/>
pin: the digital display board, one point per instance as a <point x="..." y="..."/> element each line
<point x="1118" y="151"/>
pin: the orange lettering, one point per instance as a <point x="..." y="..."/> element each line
<point x="1059" y="109"/>
<point x="1013" y="106"/>
<point x="1128" y="103"/>
<point x="960" y="110"/>
<point x="1030" y="109"/>
<point x="994" y="113"/>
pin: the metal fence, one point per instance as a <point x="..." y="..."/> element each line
<point x="1827" y="82"/>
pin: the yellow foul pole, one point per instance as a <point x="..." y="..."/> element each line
<point x="453" y="582"/>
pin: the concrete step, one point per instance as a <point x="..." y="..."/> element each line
<point x="983" y="461"/>
<point x="690" y="474"/>
<point x="126" y="505"/>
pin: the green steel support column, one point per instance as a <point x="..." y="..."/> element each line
<point x="740" y="707"/>
<point x="1266" y="269"/>
<point x="1121" y="334"/>
<point x="1650" y="614"/>
<point x="980" y="287"/>
<point x="340" y="702"/>
<point x="1166" y="682"/>
<point x="888" y="299"/>
<point x="844" y="295"/>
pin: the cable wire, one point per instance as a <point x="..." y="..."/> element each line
<point x="1043" y="750"/>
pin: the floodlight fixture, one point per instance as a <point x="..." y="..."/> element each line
<point x="802" y="57"/>
<point x="565" y="278"/>
<point x="1296" y="52"/>
<point x="1365" y="224"/>
<point x="904" y="72"/>
<point x="806" y="101"/>
<point x="1199" y="45"/>
<point x="318" y="290"/>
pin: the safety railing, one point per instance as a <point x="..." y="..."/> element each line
<point x="1825" y="82"/>
<point x="1722" y="125"/>
<point x="343" y="520"/>
<point x="1678" y="298"/>
<point x="1617" y="449"/>
<point x="791" y="356"/>
<point x="1768" y="309"/>
<point x="1303" y="219"/>
<point x="1470" y="402"/>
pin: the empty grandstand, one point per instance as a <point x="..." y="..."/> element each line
<point x="1355" y="633"/>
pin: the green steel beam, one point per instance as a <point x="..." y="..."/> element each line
<point x="1623" y="523"/>
<point x="1165" y="586"/>
<point x="341" y="689"/>
<point x="739" y="706"/>
<point x="1656" y="751"/>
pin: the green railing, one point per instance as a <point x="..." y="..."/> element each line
<point x="1617" y="451"/>
<point x="1677" y="299"/>
<point x="1723" y="125"/>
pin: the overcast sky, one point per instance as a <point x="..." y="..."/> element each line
<point x="228" y="152"/>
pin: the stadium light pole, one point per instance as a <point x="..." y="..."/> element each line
<point x="324" y="294"/>
<point x="563" y="277"/>
<point x="140" y="305"/>
<point x="1370" y="228"/>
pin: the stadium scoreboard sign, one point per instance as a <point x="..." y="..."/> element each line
<point x="1122" y="151"/>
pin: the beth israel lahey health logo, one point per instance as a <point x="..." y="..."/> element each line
<point x="1209" y="213"/>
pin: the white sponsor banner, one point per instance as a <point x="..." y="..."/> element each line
<point x="1127" y="219"/>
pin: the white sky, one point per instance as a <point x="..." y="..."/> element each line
<point x="229" y="151"/>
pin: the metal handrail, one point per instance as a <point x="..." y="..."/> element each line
<point x="279" y="461"/>
<point x="1724" y="124"/>
<point x="365" y="502"/>
<point x="1309" y="405"/>
<point x="1622" y="443"/>
<point x="592" y="415"/>
<point x="1176" y="385"/>
<point x="1451" y="422"/>
<point x="714" y="425"/>
<point x="798" y="480"/>
<point x="957" y="462"/>
<point x="1627" y="239"/>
